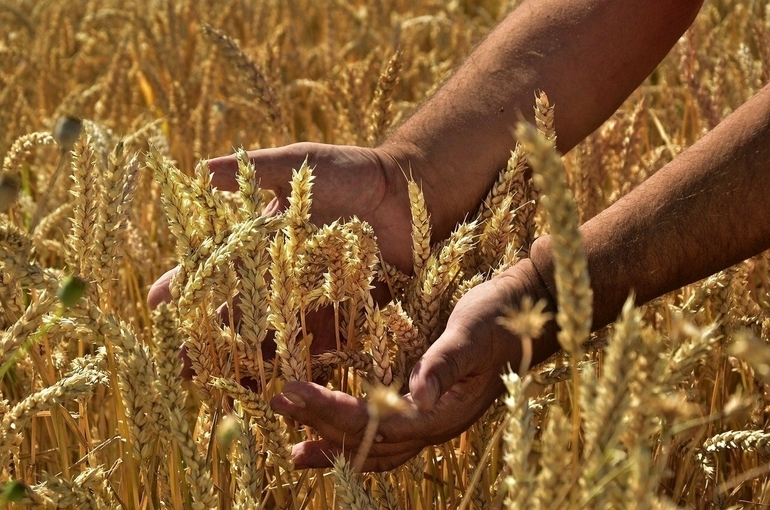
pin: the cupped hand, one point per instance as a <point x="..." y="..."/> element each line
<point x="452" y="385"/>
<point x="320" y="323"/>
<point x="349" y="181"/>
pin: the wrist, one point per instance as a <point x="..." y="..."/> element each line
<point x="527" y="279"/>
<point x="541" y="260"/>
<point x="447" y="198"/>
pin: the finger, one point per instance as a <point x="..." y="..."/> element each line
<point x="274" y="167"/>
<point x="224" y="170"/>
<point x="160" y="291"/>
<point x="341" y="419"/>
<point x="314" y="454"/>
<point x="320" y="454"/>
<point x="274" y="207"/>
<point x="447" y="361"/>
<point x="336" y="416"/>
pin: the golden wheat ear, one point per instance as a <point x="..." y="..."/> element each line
<point x="574" y="296"/>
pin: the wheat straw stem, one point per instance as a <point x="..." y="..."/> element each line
<point x="368" y="439"/>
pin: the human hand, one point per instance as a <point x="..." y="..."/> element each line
<point x="349" y="181"/>
<point x="451" y="386"/>
<point x="321" y="323"/>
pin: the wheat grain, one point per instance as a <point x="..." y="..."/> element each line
<point x="574" y="295"/>
<point x="421" y="229"/>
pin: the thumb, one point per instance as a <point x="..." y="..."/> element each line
<point x="445" y="363"/>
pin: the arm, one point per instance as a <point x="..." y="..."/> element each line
<point x="588" y="55"/>
<point x="703" y="212"/>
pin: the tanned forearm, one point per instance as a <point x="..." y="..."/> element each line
<point x="703" y="212"/>
<point x="587" y="55"/>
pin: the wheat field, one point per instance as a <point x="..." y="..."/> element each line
<point x="109" y="107"/>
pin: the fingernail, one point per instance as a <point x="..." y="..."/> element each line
<point x="294" y="398"/>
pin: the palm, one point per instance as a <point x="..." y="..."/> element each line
<point x="465" y="361"/>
